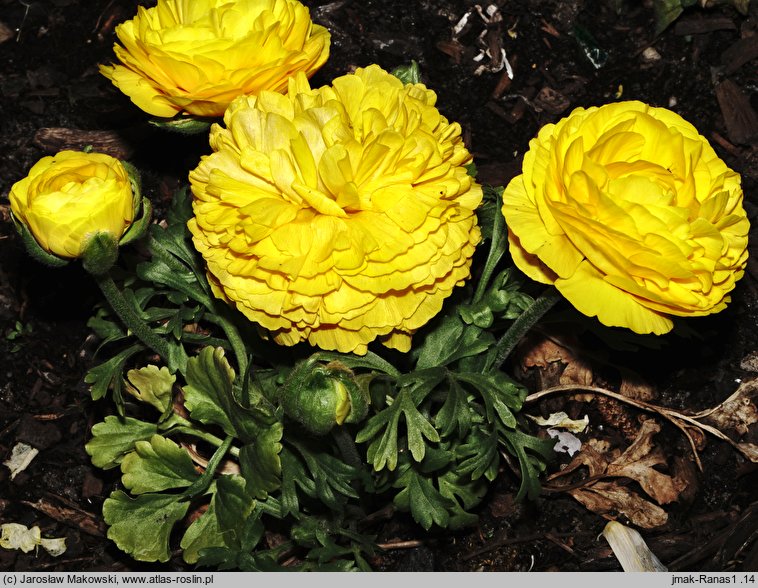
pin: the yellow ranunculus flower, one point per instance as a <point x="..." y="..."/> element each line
<point x="68" y="197"/>
<point x="337" y="215"/>
<point x="631" y="214"/>
<point x="195" y="57"/>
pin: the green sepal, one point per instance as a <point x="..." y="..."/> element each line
<point x="186" y="125"/>
<point x="141" y="208"/>
<point x="408" y="74"/>
<point x="99" y="253"/>
<point x="34" y="249"/>
<point x="139" y="226"/>
<point x="321" y="396"/>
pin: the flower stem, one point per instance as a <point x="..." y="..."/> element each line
<point x="520" y="327"/>
<point x="347" y="448"/>
<point x="135" y="323"/>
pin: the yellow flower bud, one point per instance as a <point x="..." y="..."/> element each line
<point x="68" y="198"/>
<point x="196" y="57"/>
<point x="631" y="214"/>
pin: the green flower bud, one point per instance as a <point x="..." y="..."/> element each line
<point x="321" y="396"/>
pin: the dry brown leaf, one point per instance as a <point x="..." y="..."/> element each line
<point x="634" y="386"/>
<point x="610" y="498"/>
<point x="548" y="351"/>
<point x="577" y="372"/>
<point x="545" y="352"/>
<point x="638" y="462"/>
<point x="737" y="412"/>
<point x="595" y="461"/>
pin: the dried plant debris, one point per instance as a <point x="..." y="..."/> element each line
<point x="21" y="456"/>
<point x="630" y="549"/>
<point x="737" y="417"/>
<point x="17" y="536"/>
<point x="607" y="490"/>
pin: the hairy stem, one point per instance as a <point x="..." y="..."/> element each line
<point x="135" y="323"/>
<point x="520" y="327"/>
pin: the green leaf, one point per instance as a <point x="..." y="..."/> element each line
<point x="370" y="361"/>
<point x="383" y="451"/>
<point x="455" y="412"/>
<point x="141" y="527"/>
<point x="152" y="385"/>
<point x="203" y="533"/>
<point x="435" y="460"/>
<point x="456" y="488"/>
<point x="422" y="499"/>
<point x="209" y="396"/>
<point x="533" y="454"/>
<point x="177" y="278"/>
<point x="294" y="475"/>
<point x="208" y="392"/>
<point x="233" y="509"/>
<point x="479" y="456"/>
<point x="260" y="463"/>
<point x="440" y="344"/>
<point x="205" y="480"/>
<point x="470" y="493"/>
<point x="492" y="221"/>
<point x="107" y="330"/>
<point x="110" y="373"/>
<point x="667" y="11"/>
<point x="450" y="340"/>
<point x="113" y="438"/>
<point x="332" y="478"/>
<point x="501" y="395"/>
<point x="157" y="464"/>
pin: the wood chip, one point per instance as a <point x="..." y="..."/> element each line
<point x="739" y="117"/>
<point x="54" y="139"/>
<point x="86" y="522"/>
<point x="739" y="54"/>
<point x="696" y="26"/>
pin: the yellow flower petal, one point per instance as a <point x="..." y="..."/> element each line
<point x="629" y="211"/>
<point x="195" y="58"/>
<point x="70" y="196"/>
<point x="338" y="215"/>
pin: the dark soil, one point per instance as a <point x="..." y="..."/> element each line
<point x="703" y="66"/>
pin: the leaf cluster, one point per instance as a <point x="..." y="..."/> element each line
<point x="212" y="447"/>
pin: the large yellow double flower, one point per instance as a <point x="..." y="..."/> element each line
<point x="196" y="56"/>
<point x="337" y="215"/>
<point x="631" y="214"/>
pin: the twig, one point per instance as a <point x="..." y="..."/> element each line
<point x="411" y="544"/>
<point x="678" y="419"/>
